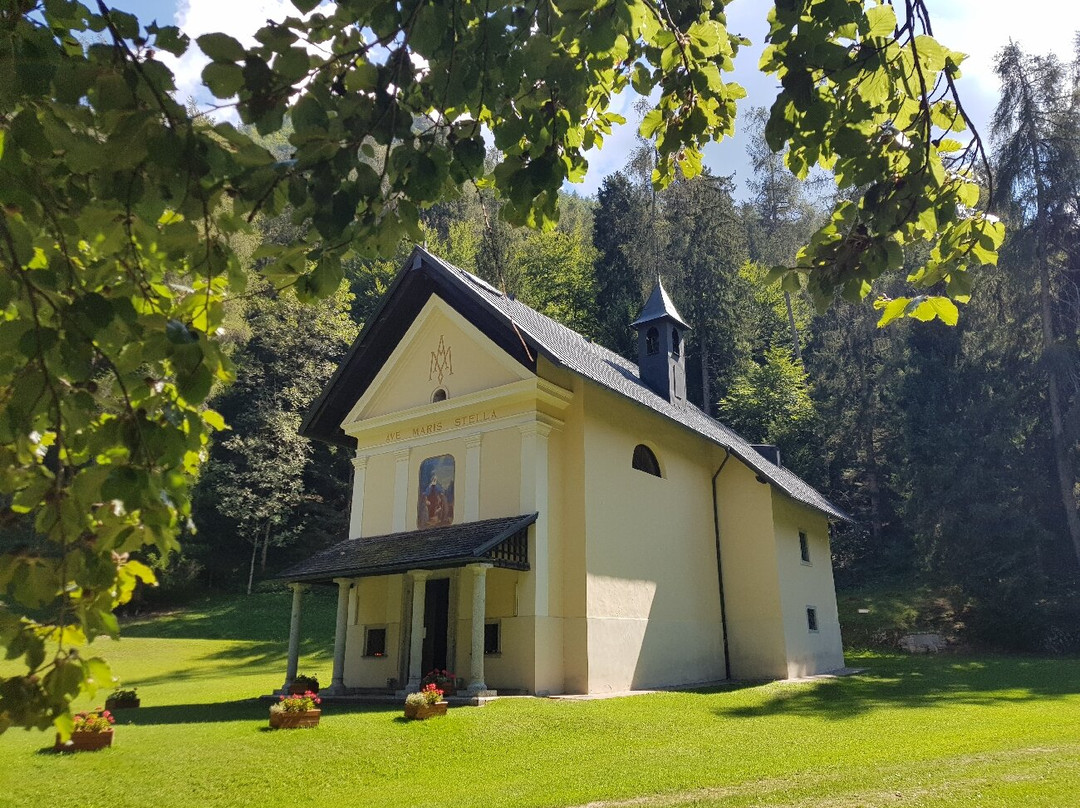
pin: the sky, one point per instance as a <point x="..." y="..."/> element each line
<point x="979" y="28"/>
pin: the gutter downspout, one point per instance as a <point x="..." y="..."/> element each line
<point x="720" y="564"/>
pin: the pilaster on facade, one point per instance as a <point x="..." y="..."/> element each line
<point x="356" y="510"/>
<point x="534" y="497"/>
<point x="472" y="477"/>
<point x="401" y="489"/>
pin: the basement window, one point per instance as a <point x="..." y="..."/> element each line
<point x="645" y="460"/>
<point x="804" y="547"/>
<point x="375" y="642"/>
<point x="492" y="638"/>
<point x="811" y="619"/>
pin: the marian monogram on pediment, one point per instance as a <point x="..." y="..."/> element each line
<point x="442" y="362"/>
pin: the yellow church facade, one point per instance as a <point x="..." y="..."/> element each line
<point x="539" y="515"/>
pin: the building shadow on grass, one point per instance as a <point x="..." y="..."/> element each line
<point x="921" y="682"/>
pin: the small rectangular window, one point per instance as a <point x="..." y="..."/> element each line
<point x="492" y="638"/>
<point x="804" y="547"/>
<point x="375" y="642"/>
<point x="811" y="618"/>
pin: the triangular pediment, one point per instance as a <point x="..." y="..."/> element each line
<point x="440" y="351"/>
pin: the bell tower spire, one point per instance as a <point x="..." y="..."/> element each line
<point x="661" y="350"/>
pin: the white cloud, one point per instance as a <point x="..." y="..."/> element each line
<point x="238" y="18"/>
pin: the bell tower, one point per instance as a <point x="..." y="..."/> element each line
<point x="661" y="348"/>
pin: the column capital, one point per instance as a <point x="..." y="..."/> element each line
<point x="479" y="569"/>
<point x="346" y="582"/>
<point x="360" y="461"/>
<point x="419" y="575"/>
<point x="299" y="587"/>
<point x="473" y="441"/>
<point x="402" y="454"/>
<point x="538" y="428"/>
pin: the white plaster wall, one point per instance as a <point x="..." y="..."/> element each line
<point x="804" y="585"/>
<point x="374" y="602"/>
<point x="751" y="575"/>
<point x="652" y="593"/>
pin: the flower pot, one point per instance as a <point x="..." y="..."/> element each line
<point x="121" y="704"/>
<point x="419" y="712"/>
<point x="280" y="719"/>
<point x="85" y="741"/>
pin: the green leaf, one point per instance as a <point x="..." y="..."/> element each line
<point x="223" y="79"/>
<point x="221" y="47"/>
<point x="881" y="22"/>
<point x="891" y="309"/>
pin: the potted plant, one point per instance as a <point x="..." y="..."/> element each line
<point x="304" y="683"/>
<point x="425" y="704"/>
<point x="442" y="679"/>
<point x="92" y="730"/>
<point x="121" y="699"/>
<point x="295" y="711"/>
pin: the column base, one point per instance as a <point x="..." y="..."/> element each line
<point x="334" y="690"/>
<point x="481" y="691"/>
<point x="413" y="686"/>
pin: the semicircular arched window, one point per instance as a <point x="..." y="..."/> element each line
<point x="438" y="395"/>
<point x="645" y="460"/>
<point x="676" y="345"/>
<point x="652" y="341"/>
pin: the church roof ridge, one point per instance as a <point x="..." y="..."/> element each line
<point x="564" y="347"/>
<point x="573" y="351"/>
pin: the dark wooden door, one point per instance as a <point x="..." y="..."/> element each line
<point x="436" y="614"/>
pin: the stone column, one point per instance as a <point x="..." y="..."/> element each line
<point x="477" y="686"/>
<point x="337" y="681"/>
<point x="416" y="640"/>
<point x="356" y="512"/>
<point x="534" y="497"/>
<point x="294" y="637"/>
<point x="472" y="478"/>
<point x="401" y="489"/>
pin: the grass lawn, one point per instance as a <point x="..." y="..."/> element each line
<point x="928" y="731"/>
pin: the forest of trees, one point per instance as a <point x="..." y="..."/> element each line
<point x="953" y="447"/>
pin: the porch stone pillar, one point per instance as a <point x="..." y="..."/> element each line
<point x="294" y="637"/>
<point x="337" y="681"/>
<point x="477" y="686"/>
<point x="401" y="489"/>
<point x="416" y="641"/>
<point x="356" y="512"/>
<point x="472" y="478"/>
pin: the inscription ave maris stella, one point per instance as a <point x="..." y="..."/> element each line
<point x="433" y="427"/>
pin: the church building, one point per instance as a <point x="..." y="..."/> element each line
<point x="540" y="515"/>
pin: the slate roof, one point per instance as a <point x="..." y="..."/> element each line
<point x="510" y="322"/>
<point x="657" y="307"/>
<point x="432" y="548"/>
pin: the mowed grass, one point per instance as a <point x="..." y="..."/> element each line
<point x="928" y="731"/>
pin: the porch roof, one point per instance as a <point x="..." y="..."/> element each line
<point x="501" y="542"/>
